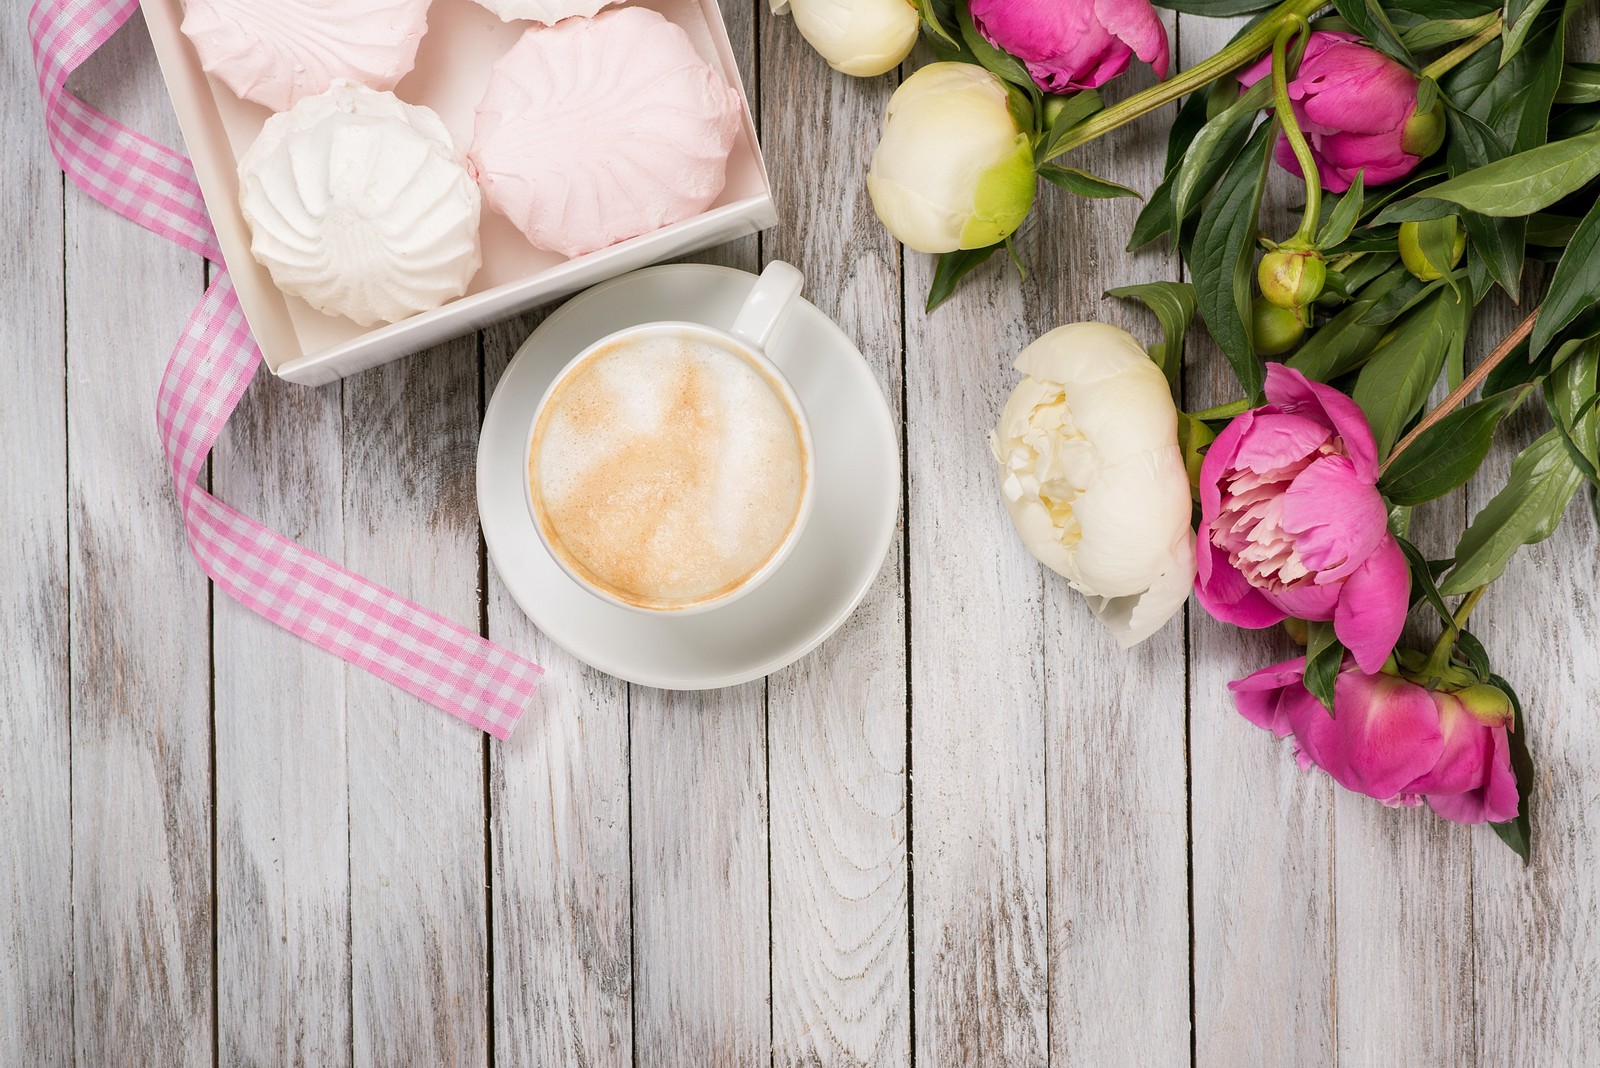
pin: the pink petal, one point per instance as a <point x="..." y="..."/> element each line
<point x="1276" y="440"/>
<point x="1310" y="601"/>
<point x="1218" y="460"/>
<point x="1224" y="593"/>
<point x="1336" y="517"/>
<point x="1373" y="603"/>
<point x="1383" y="735"/>
<point x="1320" y="42"/>
<point x="1264" y="697"/>
<point x="1291" y="391"/>
<point x="1134" y="22"/>
<point x="1495" y="801"/>
<point x="1359" y="89"/>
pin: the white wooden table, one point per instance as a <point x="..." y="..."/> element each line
<point x="965" y="831"/>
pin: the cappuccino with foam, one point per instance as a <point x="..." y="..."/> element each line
<point x="667" y="469"/>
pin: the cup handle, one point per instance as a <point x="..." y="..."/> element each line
<point x="764" y="309"/>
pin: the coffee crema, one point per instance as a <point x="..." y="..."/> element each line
<point x="667" y="469"/>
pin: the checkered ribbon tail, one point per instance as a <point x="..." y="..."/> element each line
<point x="425" y="654"/>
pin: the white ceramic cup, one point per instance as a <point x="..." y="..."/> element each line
<point x="759" y="321"/>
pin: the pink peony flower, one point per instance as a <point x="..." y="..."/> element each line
<point x="1292" y="523"/>
<point x="1394" y="740"/>
<point x="1074" y="44"/>
<point x="1356" y="107"/>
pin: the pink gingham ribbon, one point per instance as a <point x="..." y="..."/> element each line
<point x="420" y="651"/>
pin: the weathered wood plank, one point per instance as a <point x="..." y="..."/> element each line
<point x="702" y="946"/>
<point x="1116" y="802"/>
<point x="417" y="819"/>
<point x="562" y="907"/>
<point x="979" y="874"/>
<point x="1261" y="835"/>
<point x="837" y="720"/>
<point x="35" y="760"/>
<point x="1402" y="878"/>
<point x="140" y="643"/>
<point x="282" y="807"/>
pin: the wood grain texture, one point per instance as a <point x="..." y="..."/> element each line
<point x="418" y="938"/>
<point x="282" y="806"/>
<point x="701" y="951"/>
<point x="980" y="879"/>
<point x="837" y="720"/>
<point x="139" y="642"/>
<point x="1116" y="800"/>
<point x="1261" y="835"/>
<point x="35" y="758"/>
<point x="562" y="907"/>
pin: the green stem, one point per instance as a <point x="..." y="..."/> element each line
<point x="1306" y="236"/>
<point x="1222" y="411"/>
<point x="1254" y="42"/>
<point x="1439" y="659"/>
<point x="1461" y="52"/>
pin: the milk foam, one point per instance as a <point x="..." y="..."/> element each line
<point x="669" y="469"/>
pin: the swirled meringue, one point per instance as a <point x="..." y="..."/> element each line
<point x="596" y="130"/>
<point x="277" y="52"/>
<point x="548" y="12"/>
<point x="358" y="204"/>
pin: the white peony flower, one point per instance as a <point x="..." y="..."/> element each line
<point x="859" y="37"/>
<point x="1093" y="477"/>
<point x="952" y="170"/>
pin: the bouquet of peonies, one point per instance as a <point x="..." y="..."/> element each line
<point x="1440" y="145"/>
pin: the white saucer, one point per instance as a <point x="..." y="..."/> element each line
<point x="816" y="589"/>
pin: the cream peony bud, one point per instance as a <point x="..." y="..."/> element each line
<point x="1093" y="478"/>
<point x="859" y="37"/>
<point x="952" y="170"/>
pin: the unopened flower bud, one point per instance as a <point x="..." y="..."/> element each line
<point x="1423" y="132"/>
<point x="1298" y="630"/>
<point x="1291" y="279"/>
<point x="1415" y="257"/>
<point x="1489" y="705"/>
<point x="1275" y="330"/>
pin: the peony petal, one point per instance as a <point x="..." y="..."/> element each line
<point x="1227" y="596"/>
<point x="1263" y="697"/>
<point x="1218" y="460"/>
<point x="1384" y="733"/>
<point x="1359" y="89"/>
<point x="1135" y="23"/>
<point x="1496" y="801"/>
<point x="1337" y="518"/>
<point x="1372" y="605"/>
<point x="1276" y="440"/>
<point x="1292" y="391"/>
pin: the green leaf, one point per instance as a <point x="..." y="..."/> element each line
<point x="1575" y="284"/>
<point x="1518" y="833"/>
<point x="1077" y="107"/>
<point x="1542" y="482"/>
<point x="954" y="266"/>
<point x="1410" y="292"/>
<point x="1580" y="84"/>
<point x="1448" y="453"/>
<point x="932" y="26"/>
<point x="1083" y="183"/>
<point x="1423" y="585"/>
<point x="1526" y="182"/>
<point x="1344" y="342"/>
<point x="1324" y="657"/>
<point x="1157" y="218"/>
<point x="1001" y="64"/>
<point x="1214" y="148"/>
<point x="1403" y="369"/>
<point x="1436" y="32"/>
<point x="1342" y="219"/>
<point x="1470" y="647"/>
<point x="1571" y="395"/>
<point x="1499" y="242"/>
<point x="1520" y="16"/>
<point x="1173" y="304"/>
<point x="1222" y="257"/>
<point x="1367" y="18"/>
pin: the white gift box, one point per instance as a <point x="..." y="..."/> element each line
<point x="453" y="64"/>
